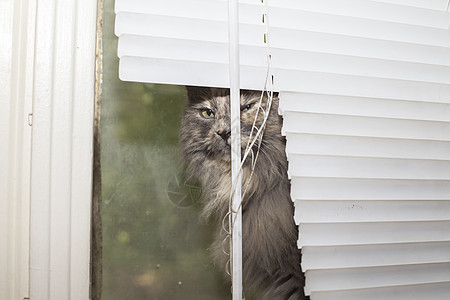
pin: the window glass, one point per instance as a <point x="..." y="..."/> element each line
<point x="154" y="245"/>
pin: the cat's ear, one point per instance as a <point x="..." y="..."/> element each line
<point x="197" y="93"/>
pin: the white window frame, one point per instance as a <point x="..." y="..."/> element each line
<point x="47" y="105"/>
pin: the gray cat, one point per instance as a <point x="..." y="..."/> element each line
<point x="271" y="260"/>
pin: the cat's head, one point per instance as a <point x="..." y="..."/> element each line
<point x="206" y="130"/>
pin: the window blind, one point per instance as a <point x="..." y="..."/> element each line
<point x="364" y="93"/>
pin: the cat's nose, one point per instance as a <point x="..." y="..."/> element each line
<point x="224" y="133"/>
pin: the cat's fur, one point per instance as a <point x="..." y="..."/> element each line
<point x="271" y="260"/>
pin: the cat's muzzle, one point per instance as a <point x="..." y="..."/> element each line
<point x="224" y="134"/>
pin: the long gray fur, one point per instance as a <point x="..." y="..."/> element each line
<point x="271" y="259"/>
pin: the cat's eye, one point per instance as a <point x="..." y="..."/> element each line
<point x="246" y="107"/>
<point x="208" y="114"/>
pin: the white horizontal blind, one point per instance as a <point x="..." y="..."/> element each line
<point x="366" y="106"/>
<point x="186" y="41"/>
<point x="364" y="92"/>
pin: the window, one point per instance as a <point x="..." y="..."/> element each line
<point x="382" y="65"/>
<point x="154" y="244"/>
<point x="362" y="86"/>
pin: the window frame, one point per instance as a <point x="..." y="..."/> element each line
<point x="63" y="77"/>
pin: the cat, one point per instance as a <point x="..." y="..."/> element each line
<point x="271" y="259"/>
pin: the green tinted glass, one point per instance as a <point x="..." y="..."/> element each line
<point x="154" y="246"/>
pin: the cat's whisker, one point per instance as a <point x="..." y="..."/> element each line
<point x="264" y="152"/>
<point x="252" y="142"/>
<point x="257" y="112"/>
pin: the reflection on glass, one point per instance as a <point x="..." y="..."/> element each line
<point x="154" y="246"/>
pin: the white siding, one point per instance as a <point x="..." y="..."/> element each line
<point x="61" y="183"/>
<point x="16" y="65"/>
<point x="47" y="57"/>
<point x="365" y="95"/>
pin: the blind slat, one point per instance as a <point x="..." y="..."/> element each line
<point x="363" y="167"/>
<point x="368" y="189"/>
<point x="194" y="9"/>
<point x="358" y="46"/>
<point x="216" y="10"/>
<point x="359" y="86"/>
<point x="439" y="5"/>
<point x="312" y="82"/>
<point x="299" y="122"/>
<point x="432" y="291"/>
<point x="334" y="257"/>
<point x="369" y="107"/>
<point x="367" y="67"/>
<point x="170" y="27"/>
<point x="358" y="27"/>
<point x="186" y="73"/>
<point x="188" y="50"/>
<point x="320" y="144"/>
<point x="372" y="10"/>
<point x="334" y="211"/>
<point x="332" y="234"/>
<point x="356" y="278"/>
<point x="249" y="13"/>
